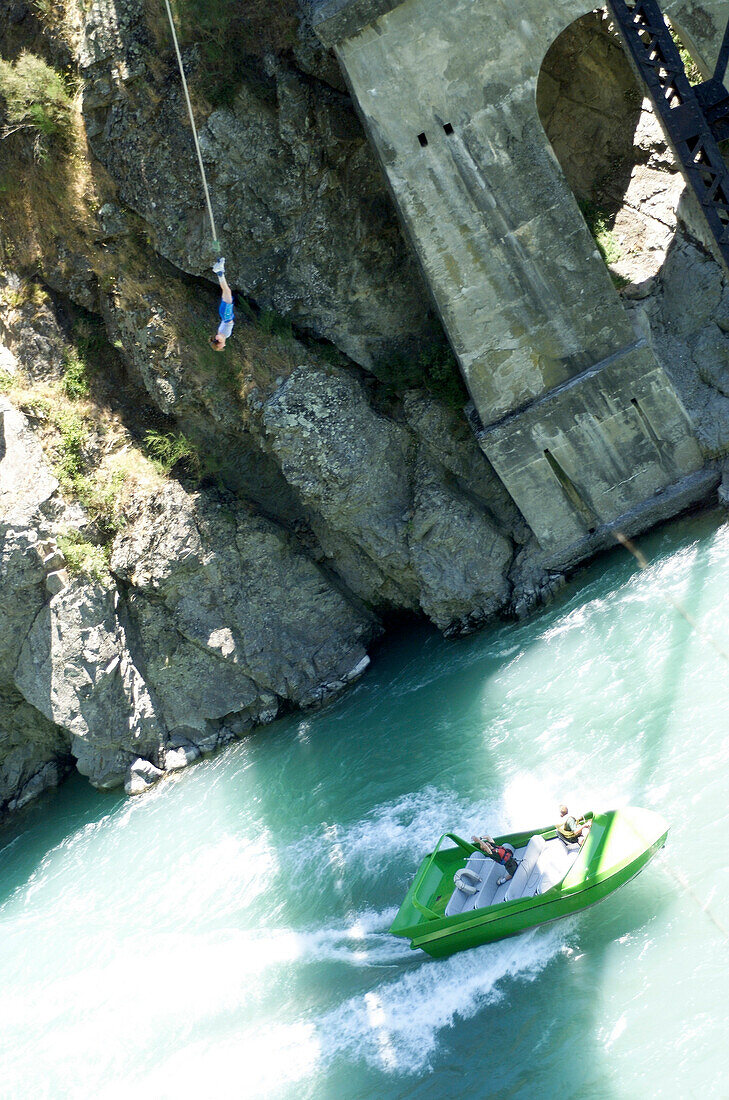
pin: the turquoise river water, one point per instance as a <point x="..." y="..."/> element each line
<point x="226" y="935"/>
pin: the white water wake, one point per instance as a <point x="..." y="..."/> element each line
<point x="402" y="831"/>
<point x="394" y="1027"/>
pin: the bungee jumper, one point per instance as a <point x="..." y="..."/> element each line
<point x="227" y="316"/>
<point x="225" y="309"/>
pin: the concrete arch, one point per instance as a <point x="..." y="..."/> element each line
<point x="589" y="103"/>
<point x="579" y="420"/>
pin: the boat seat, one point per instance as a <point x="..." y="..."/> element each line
<point x="491" y="876"/>
<point x="461" y="902"/>
<point x="552" y="865"/>
<point x="516" y="888"/>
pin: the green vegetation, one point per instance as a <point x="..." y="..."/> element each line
<point x="26" y="292"/>
<point x="225" y="33"/>
<point x="78" y="360"/>
<point x="167" y="449"/>
<point x="7" y="381"/>
<point x="83" y="558"/>
<point x="36" y="100"/>
<point x="692" y="71"/>
<point x="75" y="381"/>
<point x="598" y="222"/>
<point x="273" y="324"/>
<point x="69" y="466"/>
<point x="434" y="368"/>
<point x="98" y="491"/>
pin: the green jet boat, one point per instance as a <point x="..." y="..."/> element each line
<point x="554" y="878"/>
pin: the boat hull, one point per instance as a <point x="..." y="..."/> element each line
<point x="620" y="844"/>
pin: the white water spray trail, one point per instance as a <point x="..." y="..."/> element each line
<point x="394" y="1027"/>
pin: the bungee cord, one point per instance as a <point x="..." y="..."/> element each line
<point x="216" y="242"/>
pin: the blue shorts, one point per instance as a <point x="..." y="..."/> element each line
<point x="227" y="318"/>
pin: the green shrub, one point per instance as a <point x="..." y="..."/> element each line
<point x="69" y="466"/>
<point x="598" y="222"/>
<point x="7" y="381"/>
<point x="91" y="337"/>
<point x="273" y="324"/>
<point x="83" y="558"/>
<point x="167" y="449"/>
<point x="36" y="99"/>
<point x="75" y="381"/>
<point x="692" y="71"/>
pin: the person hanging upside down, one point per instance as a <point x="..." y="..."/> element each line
<point x="227" y="316"/>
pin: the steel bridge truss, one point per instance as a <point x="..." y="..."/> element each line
<point x="695" y="118"/>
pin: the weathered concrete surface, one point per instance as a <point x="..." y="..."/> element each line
<point x="605" y="446"/>
<point x="448" y="95"/>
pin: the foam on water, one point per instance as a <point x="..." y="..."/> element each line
<point x="394" y="1027"/>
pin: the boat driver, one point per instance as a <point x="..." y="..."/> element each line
<point x="572" y="829"/>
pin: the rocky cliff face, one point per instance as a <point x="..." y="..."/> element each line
<point x="208" y="617"/>
<point x="299" y="200"/>
<point x="147" y="615"/>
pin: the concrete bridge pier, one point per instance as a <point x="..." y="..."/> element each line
<point x="577" y="416"/>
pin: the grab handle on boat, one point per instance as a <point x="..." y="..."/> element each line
<point x="460" y="843"/>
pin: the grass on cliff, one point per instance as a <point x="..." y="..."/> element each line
<point x="225" y="34"/>
<point x="84" y="558"/>
<point x="90" y="451"/>
<point x="167" y="449"/>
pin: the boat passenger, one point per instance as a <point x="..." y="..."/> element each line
<point x="500" y="853"/>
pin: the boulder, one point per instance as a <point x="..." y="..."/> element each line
<point x="231" y="615"/>
<point x="140" y="776"/>
<point x="75" y="668"/>
<point x="394" y="522"/>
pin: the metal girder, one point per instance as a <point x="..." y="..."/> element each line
<point x="693" y="117"/>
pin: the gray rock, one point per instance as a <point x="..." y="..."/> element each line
<point x="32" y="334"/>
<point x="692" y="289"/>
<point x="27" y="485"/>
<point x="57" y="581"/>
<point x="723" y="490"/>
<point x="351" y="469"/>
<point x="75" y="668"/>
<point x="34" y="753"/>
<point x="300" y="204"/>
<point x="53" y="560"/>
<point x="231" y="615"/>
<point x="391" y="523"/>
<point x="710" y="353"/>
<point x="140" y="776"/>
<point x="183" y="753"/>
<point x="460" y="558"/>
